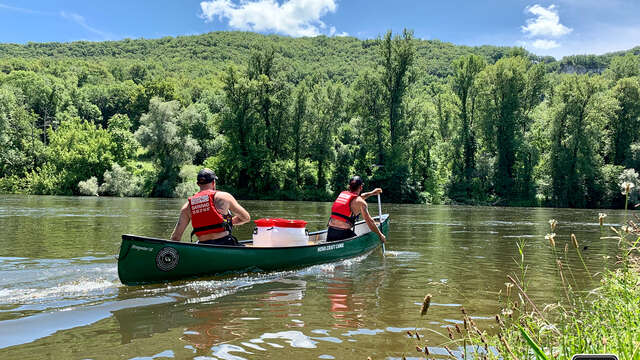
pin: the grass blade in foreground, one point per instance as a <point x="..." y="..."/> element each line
<point x="538" y="351"/>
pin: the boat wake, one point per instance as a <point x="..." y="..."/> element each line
<point x="210" y="290"/>
<point x="31" y="286"/>
<point x="71" y="290"/>
<point x="406" y="255"/>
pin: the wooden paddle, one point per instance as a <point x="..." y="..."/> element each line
<point x="380" y="219"/>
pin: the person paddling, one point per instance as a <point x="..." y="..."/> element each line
<point x="347" y="209"/>
<point x="208" y="210"/>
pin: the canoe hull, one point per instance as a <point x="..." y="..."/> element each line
<point x="145" y="260"/>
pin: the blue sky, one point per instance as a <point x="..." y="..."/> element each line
<point x="557" y="28"/>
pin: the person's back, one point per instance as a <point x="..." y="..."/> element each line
<point x="347" y="208"/>
<point x="209" y="210"/>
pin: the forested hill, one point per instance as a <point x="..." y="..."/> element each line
<point x="339" y="57"/>
<point x="292" y="118"/>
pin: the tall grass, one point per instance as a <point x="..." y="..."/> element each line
<point x="604" y="320"/>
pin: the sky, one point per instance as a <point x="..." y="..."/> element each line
<point x="557" y="28"/>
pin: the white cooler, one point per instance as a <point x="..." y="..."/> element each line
<point x="262" y="233"/>
<point x="289" y="233"/>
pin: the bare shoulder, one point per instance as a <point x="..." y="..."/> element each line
<point x="360" y="201"/>
<point x="224" y="196"/>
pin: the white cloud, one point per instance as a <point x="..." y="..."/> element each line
<point x="291" y="17"/>
<point x="78" y="19"/>
<point x="545" y="23"/>
<point x="545" y="44"/>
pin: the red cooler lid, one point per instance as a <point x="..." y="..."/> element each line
<point x="284" y="223"/>
<point x="264" y="222"/>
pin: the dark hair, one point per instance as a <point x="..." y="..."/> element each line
<point x="354" y="183"/>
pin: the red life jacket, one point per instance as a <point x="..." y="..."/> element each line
<point x="341" y="209"/>
<point x="204" y="216"/>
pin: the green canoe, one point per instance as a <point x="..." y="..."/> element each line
<point x="145" y="260"/>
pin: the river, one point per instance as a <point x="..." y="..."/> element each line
<point x="60" y="297"/>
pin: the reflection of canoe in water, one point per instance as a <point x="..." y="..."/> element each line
<point x="148" y="260"/>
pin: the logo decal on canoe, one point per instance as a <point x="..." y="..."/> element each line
<point x="136" y="247"/>
<point x="330" y="247"/>
<point x="167" y="258"/>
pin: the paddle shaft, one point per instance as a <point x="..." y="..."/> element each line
<point x="380" y="218"/>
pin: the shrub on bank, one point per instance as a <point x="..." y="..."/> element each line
<point x="13" y="185"/>
<point x="89" y="187"/>
<point x="187" y="185"/>
<point x="120" y="182"/>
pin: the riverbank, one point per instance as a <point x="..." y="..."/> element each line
<point x="186" y="189"/>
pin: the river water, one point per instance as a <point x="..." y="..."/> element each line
<point x="60" y="297"/>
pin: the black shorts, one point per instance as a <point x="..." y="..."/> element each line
<point x="227" y="240"/>
<point x="334" y="234"/>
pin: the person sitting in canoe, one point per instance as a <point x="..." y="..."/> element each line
<point x="207" y="210"/>
<point x="347" y="209"/>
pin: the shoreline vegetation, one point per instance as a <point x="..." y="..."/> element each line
<point x="601" y="321"/>
<point x="293" y="118"/>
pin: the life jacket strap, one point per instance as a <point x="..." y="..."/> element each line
<point x="211" y="227"/>
<point x="350" y="219"/>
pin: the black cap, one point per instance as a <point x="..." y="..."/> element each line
<point x="355" y="181"/>
<point x="206" y="176"/>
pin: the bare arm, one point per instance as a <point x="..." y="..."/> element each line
<point x="364" y="210"/>
<point x="241" y="216"/>
<point x="183" y="221"/>
<point x="367" y="195"/>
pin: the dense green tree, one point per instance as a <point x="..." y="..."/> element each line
<point x="326" y="113"/>
<point x="422" y="164"/>
<point x="160" y="135"/>
<point x="397" y="56"/>
<point x="199" y="123"/>
<point x="508" y="91"/>
<point x="623" y="67"/>
<point x="299" y="128"/>
<point x="124" y="142"/>
<point x="138" y="73"/>
<point x="466" y="70"/>
<point x="80" y="151"/>
<point x="625" y="126"/>
<point x="580" y="110"/>
<point x="272" y="97"/>
<point x="46" y="95"/>
<point x="368" y="104"/>
<point x="123" y="98"/>
<point x="247" y="150"/>
<point x="342" y="170"/>
<point x="445" y="110"/>
<point x="165" y="89"/>
<point x="634" y="156"/>
<point x="20" y="146"/>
